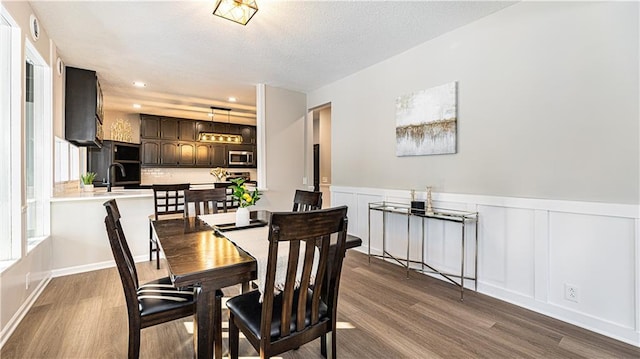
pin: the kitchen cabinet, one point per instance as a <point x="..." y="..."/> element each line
<point x="186" y="130"/>
<point x="168" y="129"/>
<point x="211" y="155"/>
<point x="126" y="154"/>
<point x="175" y="129"/>
<point x="186" y="154"/>
<point x="83" y="108"/>
<point x="177" y="153"/>
<point x="203" y="126"/>
<point x="149" y="126"/>
<point x="202" y="155"/>
<point x="248" y="134"/>
<point x="218" y="155"/>
<point x="150" y="152"/>
<point x="174" y="142"/>
<point x="168" y="153"/>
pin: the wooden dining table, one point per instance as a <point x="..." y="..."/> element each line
<point x="200" y="255"/>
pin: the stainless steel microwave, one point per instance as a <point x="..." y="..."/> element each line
<point x="240" y="158"/>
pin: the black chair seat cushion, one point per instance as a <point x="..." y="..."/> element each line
<point x="249" y="310"/>
<point x="160" y="296"/>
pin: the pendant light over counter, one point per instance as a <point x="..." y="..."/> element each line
<point x="220" y="137"/>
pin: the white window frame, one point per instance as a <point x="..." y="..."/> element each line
<point x="11" y="117"/>
<point x="43" y="112"/>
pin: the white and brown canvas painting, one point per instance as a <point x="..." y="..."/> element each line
<point x="426" y="121"/>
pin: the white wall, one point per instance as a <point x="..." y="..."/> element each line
<point x="133" y="119"/>
<point x="285" y="113"/>
<point x="548" y="154"/>
<point x="547" y="107"/>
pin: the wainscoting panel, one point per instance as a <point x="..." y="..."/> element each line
<point x="593" y="254"/>
<point x="531" y="252"/>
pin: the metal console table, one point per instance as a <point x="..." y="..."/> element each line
<point x="462" y="217"/>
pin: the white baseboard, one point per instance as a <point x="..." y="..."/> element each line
<point x="22" y="311"/>
<point x="90" y="267"/>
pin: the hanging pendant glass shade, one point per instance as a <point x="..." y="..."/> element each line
<point x="240" y="11"/>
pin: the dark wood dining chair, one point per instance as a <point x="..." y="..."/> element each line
<point x="168" y="201"/>
<point x="152" y="303"/>
<point x="232" y="202"/>
<point x="307" y="200"/>
<point x="300" y="313"/>
<point x="205" y="201"/>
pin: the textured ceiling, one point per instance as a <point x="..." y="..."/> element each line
<point x="191" y="59"/>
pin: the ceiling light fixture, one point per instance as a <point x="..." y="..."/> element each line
<point x="135" y="105"/>
<point x="240" y="11"/>
<point x="139" y="84"/>
<point x="232" y="99"/>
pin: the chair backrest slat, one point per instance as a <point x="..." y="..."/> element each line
<point x="205" y="201"/>
<point x="168" y="198"/>
<point x="122" y="255"/>
<point x="307" y="201"/>
<point x="314" y="229"/>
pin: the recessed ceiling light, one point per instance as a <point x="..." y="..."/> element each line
<point x="232" y="99"/>
<point x="139" y="84"/>
<point x="135" y="105"/>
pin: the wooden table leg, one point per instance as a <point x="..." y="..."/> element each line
<point x="207" y="326"/>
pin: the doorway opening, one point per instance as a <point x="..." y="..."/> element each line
<point x="322" y="152"/>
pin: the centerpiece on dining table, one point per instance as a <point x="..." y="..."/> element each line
<point x="245" y="198"/>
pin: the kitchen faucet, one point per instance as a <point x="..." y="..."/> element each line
<point x="109" y="174"/>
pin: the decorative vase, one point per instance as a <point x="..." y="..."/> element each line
<point x="242" y="217"/>
<point x="87" y="188"/>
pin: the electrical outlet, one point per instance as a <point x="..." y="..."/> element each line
<point x="571" y="293"/>
<point x="26" y="285"/>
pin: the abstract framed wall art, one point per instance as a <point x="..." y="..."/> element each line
<point x="426" y="121"/>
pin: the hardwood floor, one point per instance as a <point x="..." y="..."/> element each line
<point x="381" y="314"/>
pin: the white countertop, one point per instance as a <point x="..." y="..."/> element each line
<point x="101" y="194"/>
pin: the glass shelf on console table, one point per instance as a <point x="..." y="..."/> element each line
<point x="450" y="215"/>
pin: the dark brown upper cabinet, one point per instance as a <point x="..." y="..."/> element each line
<point x="168" y="129"/>
<point x="248" y="134"/>
<point x="187" y="130"/>
<point x="203" y="126"/>
<point x="149" y="126"/>
<point x="83" y="112"/>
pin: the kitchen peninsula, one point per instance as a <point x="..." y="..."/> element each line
<point x="78" y="232"/>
